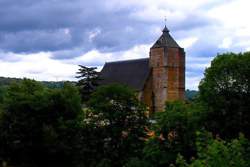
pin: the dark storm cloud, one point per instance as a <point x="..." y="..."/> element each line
<point x="50" y="25"/>
<point x="68" y="27"/>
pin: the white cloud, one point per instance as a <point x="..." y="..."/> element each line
<point x="41" y="66"/>
<point x="234" y="28"/>
<point x="233" y="14"/>
<point x="94" y="33"/>
<point x="195" y="67"/>
<point x="37" y="66"/>
<point x="192" y="82"/>
<point x="96" y="58"/>
<point x="226" y="43"/>
<point x="247" y="49"/>
<point x="187" y="42"/>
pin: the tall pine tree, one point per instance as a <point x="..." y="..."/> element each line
<point x="89" y="78"/>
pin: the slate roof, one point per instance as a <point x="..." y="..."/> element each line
<point x="132" y="73"/>
<point x="165" y="40"/>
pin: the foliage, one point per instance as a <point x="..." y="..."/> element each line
<point x="88" y="81"/>
<point x="174" y="133"/>
<point x="225" y="91"/>
<point x="4" y="81"/>
<point x="38" y="125"/>
<point x="116" y="110"/>
<point x="217" y="152"/>
<point x="56" y="84"/>
<point x="191" y="94"/>
<point x="7" y="81"/>
<point x="136" y="162"/>
<point x="2" y="95"/>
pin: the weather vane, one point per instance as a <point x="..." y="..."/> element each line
<point x="165" y="20"/>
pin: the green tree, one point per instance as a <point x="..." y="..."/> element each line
<point x="225" y="91"/>
<point x="217" y="152"/>
<point x="136" y="162"/>
<point x="88" y="81"/>
<point x="39" y="126"/>
<point x="174" y="133"/>
<point x="116" y="110"/>
<point x="2" y="93"/>
<point x="191" y="94"/>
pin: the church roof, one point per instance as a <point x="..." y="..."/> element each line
<point x="132" y="73"/>
<point x="165" y="40"/>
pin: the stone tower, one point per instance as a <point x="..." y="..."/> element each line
<point x="167" y="61"/>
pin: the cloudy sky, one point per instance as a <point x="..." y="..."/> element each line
<point x="47" y="39"/>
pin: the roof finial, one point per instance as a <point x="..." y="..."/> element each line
<point x="165" y="28"/>
<point x="165" y="20"/>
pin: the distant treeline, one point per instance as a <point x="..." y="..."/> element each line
<point x="5" y="81"/>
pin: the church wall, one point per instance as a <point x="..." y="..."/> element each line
<point x="159" y="77"/>
<point x="181" y="54"/>
<point x="168" y="75"/>
<point x="147" y="96"/>
<point x="172" y="73"/>
<point x="156" y="57"/>
<point x="176" y="74"/>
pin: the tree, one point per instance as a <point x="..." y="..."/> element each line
<point x="88" y="81"/>
<point x="174" y="133"/>
<point x="225" y="91"/>
<point x="217" y="152"/>
<point x="2" y="93"/>
<point x="39" y="126"/>
<point x="136" y="162"/>
<point x="116" y="110"/>
<point x="191" y="94"/>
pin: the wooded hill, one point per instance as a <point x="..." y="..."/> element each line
<point x="5" y="81"/>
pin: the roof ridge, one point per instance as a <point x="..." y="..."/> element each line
<point x="120" y="61"/>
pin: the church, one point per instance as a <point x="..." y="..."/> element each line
<point x="157" y="79"/>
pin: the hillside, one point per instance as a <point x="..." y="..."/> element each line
<point x="190" y="94"/>
<point x="5" y="81"/>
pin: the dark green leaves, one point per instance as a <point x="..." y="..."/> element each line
<point x="225" y="91"/>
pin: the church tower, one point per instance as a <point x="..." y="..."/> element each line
<point x="167" y="61"/>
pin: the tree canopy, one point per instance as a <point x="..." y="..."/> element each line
<point x="117" y="111"/>
<point x="225" y="90"/>
<point x="39" y="125"/>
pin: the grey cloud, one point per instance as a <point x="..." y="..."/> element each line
<point x="192" y="21"/>
<point x="67" y="54"/>
<point x="62" y="27"/>
<point x="33" y="41"/>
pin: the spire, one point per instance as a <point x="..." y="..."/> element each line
<point x="165" y="40"/>
<point x="165" y="29"/>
